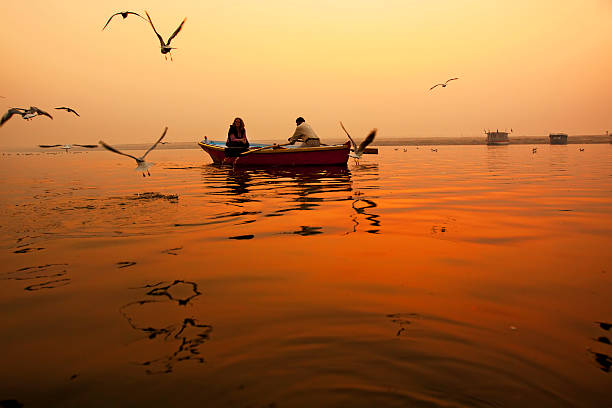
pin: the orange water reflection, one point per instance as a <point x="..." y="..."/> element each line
<point x="467" y="277"/>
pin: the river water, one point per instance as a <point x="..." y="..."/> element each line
<point x="470" y="276"/>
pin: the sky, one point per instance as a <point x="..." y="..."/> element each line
<point x="536" y="66"/>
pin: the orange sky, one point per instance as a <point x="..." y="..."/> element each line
<point x="536" y="66"/>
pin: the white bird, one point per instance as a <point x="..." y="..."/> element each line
<point x="358" y="150"/>
<point x="165" y="46"/>
<point x="143" y="166"/>
<point x="444" y="84"/>
<point x="67" y="147"/>
<point x="123" y="14"/>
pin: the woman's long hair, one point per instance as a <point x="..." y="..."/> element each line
<point x="240" y="130"/>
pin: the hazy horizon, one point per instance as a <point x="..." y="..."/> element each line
<point x="534" y="67"/>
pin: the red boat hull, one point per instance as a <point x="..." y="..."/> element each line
<point x="292" y="156"/>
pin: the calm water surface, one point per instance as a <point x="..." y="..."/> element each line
<point x="469" y="277"/>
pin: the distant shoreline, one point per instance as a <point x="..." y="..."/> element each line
<point x="413" y="141"/>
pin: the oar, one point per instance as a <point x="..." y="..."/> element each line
<point x="263" y="148"/>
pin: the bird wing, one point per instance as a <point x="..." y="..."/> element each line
<point x="452" y="79"/>
<point x="10" y="114"/>
<point x="434" y="86"/>
<point x="136" y="14"/>
<point x="112" y="149"/>
<point x="156" y="143"/>
<point x="369" y="139"/>
<point x="349" y="136"/>
<point x="46" y="146"/>
<point x="40" y="111"/>
<point x="87" y="146"/>
<point x="161" y="40"/>
<point x="177" y="30"/>
<point x="111" y="17"/>
<point x="69" y="110"/>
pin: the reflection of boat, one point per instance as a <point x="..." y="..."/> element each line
<point x="558" y="138"/>
<point x="281" y="156"/>
<point x="497" y="138"/>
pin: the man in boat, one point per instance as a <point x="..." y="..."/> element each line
<point x="304" y="133"/>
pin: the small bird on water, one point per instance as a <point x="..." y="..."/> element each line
<point x="358" y="150"/>
<point x="165" y="46"/>
<point x="143" y="166"/>
<point x="69" y="110"/>
<point x="535" y="149"/>
<point x="443" y="85"/>
<point x="123" y="14"/>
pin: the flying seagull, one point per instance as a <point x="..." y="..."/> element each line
<point x="69" y="110"/>
<point x="9" y="114"/>
<point x="123" y="14"/>
<point x="33" y="111"/>
<point x="27" y="114"/>
<point x="165" y="46"/>
<point x="68" y="146"/>
<point x="358" y="150"/>
<point x="142" y="164"/>
<point x="444" y="84"/>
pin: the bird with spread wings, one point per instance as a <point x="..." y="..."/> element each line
<point x="165" y="46"/>
<point x="443" y="85"/>
<point x="123" y="14"/>
<point x="143" y="166"/>
<point x="69" y="110"/>
<point x="358" y="150"/>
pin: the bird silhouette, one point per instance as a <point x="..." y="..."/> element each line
<point x="26" y="114"/>
<point x="443" y="85"/>
<point x="142" y="164"/>
<point x="69" y="110"/>
<point x="9" y="114"/>
<point x="165" y="46"/>
<point x="33" y="111"/>
<point x="123" y="14"/>
<point x="67" y="147"/>
<point x="358" y="150"/>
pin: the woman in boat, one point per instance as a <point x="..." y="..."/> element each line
<point x="236" y="135"/>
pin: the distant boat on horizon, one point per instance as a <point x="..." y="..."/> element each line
<point x="497" y="138"/>
<point x="558" y="138"/>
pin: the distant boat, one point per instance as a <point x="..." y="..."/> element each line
<point x="497" y="138"/>
<point x="264" y="155"/>
<point x="558" y="138"/>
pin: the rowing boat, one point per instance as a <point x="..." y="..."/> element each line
<point x="266" y="155"/>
